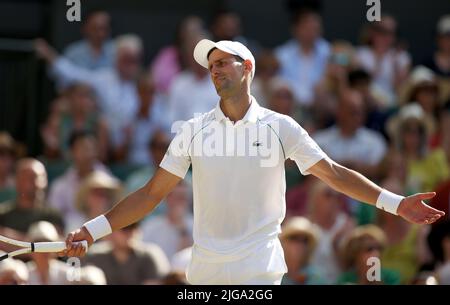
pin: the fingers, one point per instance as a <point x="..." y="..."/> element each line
<point x="425" y="196"/>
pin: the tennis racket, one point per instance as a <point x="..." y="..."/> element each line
<point x="38" y="247"/>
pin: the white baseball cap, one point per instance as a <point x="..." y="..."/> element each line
<point x="204" y="46"/>
<point x="443" y="26"/>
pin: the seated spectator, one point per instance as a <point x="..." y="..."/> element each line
<point x="115" y="87"/>
<point x="227" y="25"/>
<point x="84" y="154"/>
<point x="359" y="80"/>
<point x="7" y="159"/>
<point x="169" y="61"/>
<point x="422" y="88"/>
<point x="81" y="114"/>
<point x="406" y="249"/>
<point x="45" y="269"/>
<point x="150" y="117"/>
<point x="387" y="63"/>
<point x="29" y="205"/>
<point x="96" y="195"/>
<point x="364" y="243"/>
<point x="439" y="62"/>
<point x="13" y="272"/>
<point x="126" y="262"/>
<point x="303" y="59"/>
<point x="439" y="243"/>
<point x="349" y="142"/>
<point x="268" y="69"/>
<point x="192" y="91"/>
<point x="95" y="51"/>
<point x="156" y="148"/>
<point x="441" y="138"/>
<point x="299" y="239"/>
<point x="172" y="231"/>
<point x="410" y="130"/>
<point x="333" y="83"/>
<point x="91" y="275"/>
<point x="327" y="212"/>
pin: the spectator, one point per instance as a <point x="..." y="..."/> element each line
<point x="80" y="115"/>
<point x="96" y="195"/>
<point x="348" y="142"/>
<point x="172" y="231"/>
<point x="422" y="88"/>
<point x="299" y="239"/>
<point x="333" y="83"/>
<point x="303" y="59"/>
<point x="439" y="62"/>
<point x="364" y="243"/>
<point x="157" y="147"/>
<point x="387" y="62"/>
<point x="91" y="275"/>
<point x="406" y="249"/>
<point x="268" y="69"/>
<point x="226" y="25"/>
<point x="150" y="117"/>
<point x="13" y="272"/>
<point x="192" y="91"/>
<point x="45" y="269"/>
<point x="29" y="205"/>
<point x="126" y="262"/>
<point x="7" y="159"/>
<point x="410" y="130"/>
<point x="326" y="211"/>
<point x="95" y="50"/>
<point x="84" y="153"/>
<point x="169" y="61"/>
<point x="115" y="87"/>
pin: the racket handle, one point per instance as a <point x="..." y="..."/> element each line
<point x="47" y="247"/>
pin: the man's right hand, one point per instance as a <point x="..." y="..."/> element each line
<point x="45" y="51"/>
<point x="77" y="250"/>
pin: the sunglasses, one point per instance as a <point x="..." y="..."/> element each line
<point x="299" y="239"/>
<point x="372" y="248"/>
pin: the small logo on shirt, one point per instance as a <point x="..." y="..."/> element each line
<point x="257" y="143"/>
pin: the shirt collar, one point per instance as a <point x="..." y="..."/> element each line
<point x="251" y="115"/>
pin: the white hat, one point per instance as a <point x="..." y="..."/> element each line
<point x="443" y="26"/>
<point x="232" y="47"/>
<point x="43" y="231"/>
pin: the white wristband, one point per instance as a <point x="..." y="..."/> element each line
<point x="389" y="201"/>
<point x="98" y="227"/>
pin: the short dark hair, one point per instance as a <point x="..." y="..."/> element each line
<point x="77" y="135"/>
<point x="301" y="13"/>
<point x="357" y="76"/>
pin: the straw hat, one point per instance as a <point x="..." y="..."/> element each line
<point x="409" y="112"/>
<point x="98" y="180"/>
<point x="300" y="225"/>
<point x="420" y="77"/>
<point x="43" y="231"/>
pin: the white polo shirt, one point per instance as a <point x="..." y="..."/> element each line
<point x="238" y="177"/>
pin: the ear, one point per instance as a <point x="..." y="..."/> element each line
<point x="248" y="65"/>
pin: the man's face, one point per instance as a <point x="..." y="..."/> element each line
<point x="97" y="28"/>
<point x="227" y="73"/>
<point x="128" y="63"/>
<point x="84" y="151"/>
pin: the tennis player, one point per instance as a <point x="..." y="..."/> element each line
<point x="237" y="152"/>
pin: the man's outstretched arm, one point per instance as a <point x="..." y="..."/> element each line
<point x="127" y="211"/>
<point x="355" y="185"/>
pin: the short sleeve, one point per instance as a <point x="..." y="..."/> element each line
<point x="177" y="160"/>
<point x="300" y="147"/>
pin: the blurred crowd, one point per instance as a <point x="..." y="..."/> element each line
<point x="109" y="127"/>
